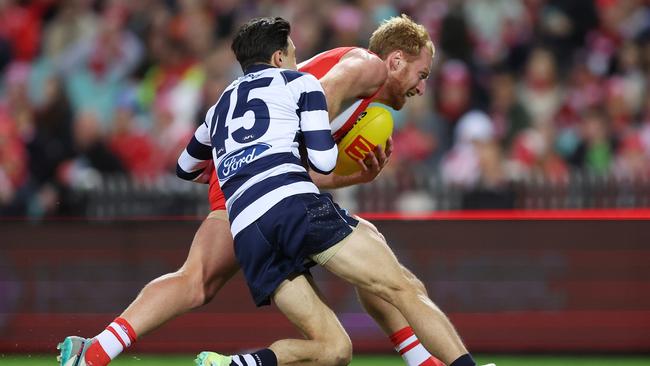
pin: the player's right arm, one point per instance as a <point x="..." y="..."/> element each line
<point x="315" y="125"/>
<point x="194" y="162"/>
<point x="358" y="74"/>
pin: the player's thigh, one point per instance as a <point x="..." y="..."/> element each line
<point x="365" y="260"/>
<point x="212" y="252"/>
<point x="412" y="278"/>
<point x="301" y="302"/>
<point x="407" y="272"/>
<point x="370" y="226"/>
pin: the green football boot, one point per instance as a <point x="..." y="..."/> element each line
<point x="212" y="359"/>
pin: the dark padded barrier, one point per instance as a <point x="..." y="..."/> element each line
<point x="524" y="285"/>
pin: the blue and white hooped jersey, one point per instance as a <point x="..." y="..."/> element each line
<point x="251" y="134"/>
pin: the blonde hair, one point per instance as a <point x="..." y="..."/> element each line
<point x="400" y="33"/>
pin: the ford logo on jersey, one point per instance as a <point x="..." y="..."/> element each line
<point x="234" y="161"/>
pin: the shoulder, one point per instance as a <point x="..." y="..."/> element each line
<point x="297" y="83"/>
<point x="363" y="57"/>
<point x="323" y="59"/>
<point x="291" y="75"/>
<point x="368" y="69"/>
<point x="298" y="79"/>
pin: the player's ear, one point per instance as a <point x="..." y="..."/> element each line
<point x="396" y="60"/>
<point x="277" y="58"/>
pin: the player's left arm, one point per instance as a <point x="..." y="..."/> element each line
<point x="358" y="74"/>
<point x="370" y="168"/>
<point x="194" y="162"/>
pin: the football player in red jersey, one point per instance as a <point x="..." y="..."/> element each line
<point x="393" y="69"/>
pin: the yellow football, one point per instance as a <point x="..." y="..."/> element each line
<point x="373" y="127"/>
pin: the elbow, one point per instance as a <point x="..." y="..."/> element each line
<point x="325" y="161"/>
<point x="181" y="173"/>
<point x="189" y="176"/>
<point x="322" y="170"/>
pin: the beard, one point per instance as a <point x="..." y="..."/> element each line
<point x="396" y="94"/>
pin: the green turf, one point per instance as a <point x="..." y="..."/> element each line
<point x="151" y="360"/>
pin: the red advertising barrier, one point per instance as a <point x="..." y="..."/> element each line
<point x="509" y="284"/>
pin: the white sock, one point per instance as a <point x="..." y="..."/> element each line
<point x="113" y="340"/>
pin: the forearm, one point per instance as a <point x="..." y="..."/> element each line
<point x="333" y="180"/>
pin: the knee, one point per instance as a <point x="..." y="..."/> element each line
<point x="419" y="286"/>
<point x="335" y="344"/>
<point x="201" y="286"/>
<point x="211" y="285"/>
<point x="190" y="281"/>
<point x="405" y="285"/>
<point x="399" y="290"/>
<point x="196" y="287"/>
<point x="339" y="352"/>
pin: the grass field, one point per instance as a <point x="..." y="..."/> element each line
<point x="500" y="360"/>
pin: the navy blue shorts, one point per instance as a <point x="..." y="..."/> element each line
<point x="278" y="245"/>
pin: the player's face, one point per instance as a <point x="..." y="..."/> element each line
<point x="409" y="78"/>
<point x="289" y="59"/>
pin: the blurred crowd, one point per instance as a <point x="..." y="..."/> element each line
<point x="519" y="88"/>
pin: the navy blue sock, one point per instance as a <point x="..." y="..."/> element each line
<point x="263" y="357"/>
<point x="464" y="360"/>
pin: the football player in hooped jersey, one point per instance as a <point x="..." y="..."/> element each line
<point x="346" y="74"/>
<point x="395" y="68"/>
<point x="282" y="224"/>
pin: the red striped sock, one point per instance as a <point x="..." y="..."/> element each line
<point x="412" y="352"/>
<point x="96" y="356"/>
<point x="108" y="344"/>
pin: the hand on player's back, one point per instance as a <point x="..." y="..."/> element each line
<point x="374" y="162"/>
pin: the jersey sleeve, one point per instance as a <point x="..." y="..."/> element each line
<point x="196" y="157"/>
<point x="315" y="126"/>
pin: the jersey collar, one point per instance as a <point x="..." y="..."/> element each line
<point x="257" y="68"/>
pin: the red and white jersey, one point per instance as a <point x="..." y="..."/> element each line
<point x="318" y="66"/>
